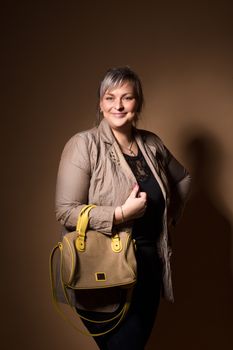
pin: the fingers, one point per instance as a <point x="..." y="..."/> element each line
<point x="135" y="205"/>
<point x="142" y="195"/>
<point x="134" y="192"/>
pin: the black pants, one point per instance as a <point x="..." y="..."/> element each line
<point x="134" y="331"/>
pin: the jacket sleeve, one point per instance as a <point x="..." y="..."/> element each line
<point x="73" y="181"/>
<point x="180" y="186"/>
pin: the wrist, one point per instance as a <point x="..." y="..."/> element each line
<point x="120" y="215"/>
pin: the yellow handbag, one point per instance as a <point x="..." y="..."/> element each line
<point x="91" y="260"/>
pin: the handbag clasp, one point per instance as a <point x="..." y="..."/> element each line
<point x="116" y="243"/>
<point x="80" y="243"/>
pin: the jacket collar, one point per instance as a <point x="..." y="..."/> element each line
<point x="105" y="132"/>
<point x="108" y="137"/>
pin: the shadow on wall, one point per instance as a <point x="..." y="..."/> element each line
<point x="202" y="316"/>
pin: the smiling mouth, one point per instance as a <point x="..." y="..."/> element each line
<point x="120" y="114"/>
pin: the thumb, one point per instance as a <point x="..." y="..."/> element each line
<point x="142" y="195"/>
<point x="134" y="193"/>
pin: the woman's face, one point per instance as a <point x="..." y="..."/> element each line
<point x="119" y="105"/>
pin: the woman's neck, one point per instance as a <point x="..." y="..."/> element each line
<point x="123" y="137"/>
<point x="126" y="142"/>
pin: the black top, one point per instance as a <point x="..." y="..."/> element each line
<point x="147" y="228"/>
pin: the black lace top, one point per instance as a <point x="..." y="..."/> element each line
<point x="147" y="228"/>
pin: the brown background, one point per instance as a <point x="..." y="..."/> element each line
<point x="54" y="55"/>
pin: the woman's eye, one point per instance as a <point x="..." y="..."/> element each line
<point x="129" y="98"/>
<point x="109" y="98"/>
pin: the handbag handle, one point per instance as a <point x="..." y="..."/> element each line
<point x="81" y="228"/>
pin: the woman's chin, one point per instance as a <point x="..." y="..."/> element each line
<point x="119" y="123"/>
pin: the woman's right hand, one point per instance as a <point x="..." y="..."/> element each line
<point x="134" y="206"/>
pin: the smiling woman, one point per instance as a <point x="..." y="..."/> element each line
<point x="137" y="186"/>
<point x="119" y="108"/>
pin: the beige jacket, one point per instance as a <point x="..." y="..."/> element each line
<point x="93" y="170"/>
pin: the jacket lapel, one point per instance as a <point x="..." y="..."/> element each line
<point x="114" y="152"/>
<point x="149" y="152"/>
<point x="116" y="155"/>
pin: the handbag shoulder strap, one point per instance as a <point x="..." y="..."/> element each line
<point x="120" y="316"/>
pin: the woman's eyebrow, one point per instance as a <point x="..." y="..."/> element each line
<point x="126" y="93"/>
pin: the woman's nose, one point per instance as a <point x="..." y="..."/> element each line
<point x="119" y="105"/>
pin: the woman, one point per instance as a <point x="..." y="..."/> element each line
<point x="135" y="182"/>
